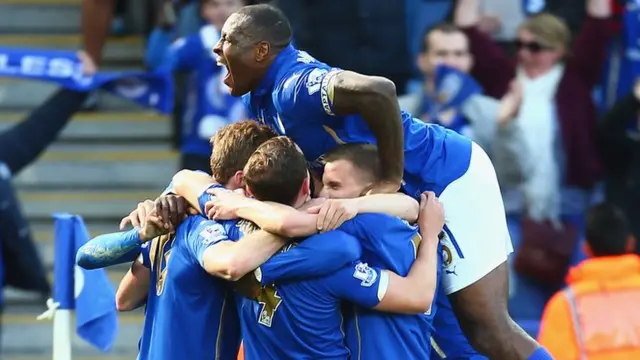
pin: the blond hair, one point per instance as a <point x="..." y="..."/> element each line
<point x="549" y="30"/>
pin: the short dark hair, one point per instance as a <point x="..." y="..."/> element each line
<point x="364" y="156"/>
<point x="444" y="27"/>
<point x="264" y="22"/>
<point x="608" y="230"/>
<point x="233" y="145"/>
<point x="276" y="171"/>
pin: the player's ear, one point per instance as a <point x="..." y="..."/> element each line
<point x="262" y="51"/>
<point x="238" y="177"/>
<point x="305" y="190"/>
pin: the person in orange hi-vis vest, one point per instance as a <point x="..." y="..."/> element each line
<point x="597" y="316"/>
<point x="241" y="352"/>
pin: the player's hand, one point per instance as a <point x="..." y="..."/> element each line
<point x="137" y="216"/>
<point x="385" y="187"/>
<point x="431" y="217"/>
<point x="171" y="210"/>
<point x="152" y="226"/>
<point x="333" y="213"/>
<point x="88" y="65"/>
<point x="225" y="204"/>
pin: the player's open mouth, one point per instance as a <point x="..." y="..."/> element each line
<point x="227" y="76"/>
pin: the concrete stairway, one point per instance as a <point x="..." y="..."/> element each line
<point x="102" y="165"/>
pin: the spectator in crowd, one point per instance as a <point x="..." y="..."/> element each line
<point x="369" y="37"/>
<point x="208" y="106"/>
<point x="596" y="316"/>
<point x="559" y="134"/>
<point x="486" y="120"/>
<point x="619" y="142"/>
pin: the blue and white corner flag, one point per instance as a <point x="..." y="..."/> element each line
<point x="88" y="292"/>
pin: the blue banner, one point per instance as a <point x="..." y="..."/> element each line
<point x="149" y="89"/>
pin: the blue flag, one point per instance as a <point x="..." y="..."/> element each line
<point x="63" y="68"/>
<point x="88" y="292"/>
<point x="453" y="88"/>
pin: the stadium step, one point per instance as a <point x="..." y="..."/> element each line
<point x="18" y="321"/>
<point x="26" y="94"/>
<point x="106" y="126"/>
<point x="100" y="204"/>
<point x="112" y="166"/>
<point x="39" y="18"/>
<point x="118" y="50"/>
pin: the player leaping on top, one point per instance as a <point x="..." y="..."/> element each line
<point x="320" y="107"/>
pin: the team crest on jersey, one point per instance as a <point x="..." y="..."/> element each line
<point x="314" y="80"/>
<point x="447" y="256"/>
<point x="365" y="274"/>
<point x="212" y="234"/>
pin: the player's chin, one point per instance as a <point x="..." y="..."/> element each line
<point x="236" y="90"/>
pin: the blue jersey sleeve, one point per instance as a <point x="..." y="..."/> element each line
<point x="358" y="283"/>
<point x="205" y="197"/>
<point x="308" y="92"/>
<point x="316" y="256"/>
<point x="205" y="234"/>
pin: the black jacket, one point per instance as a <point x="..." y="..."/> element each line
<point x="620" y="151"/>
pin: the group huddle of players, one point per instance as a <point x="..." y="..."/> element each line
<point x="301" y="244"/>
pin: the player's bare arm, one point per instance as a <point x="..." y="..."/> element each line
<point x="190" y="184"/>
<point x="481" y="310"/>
<point x="375" y="99"/>
<point x="287" y="221"/>
<point x="416" y="292"/>
<point x="96" y="24"/>
<point x="232" y="260"/>
<point x="134" y="287"/>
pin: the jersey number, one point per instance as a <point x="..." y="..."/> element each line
<point x="269" y="301"/>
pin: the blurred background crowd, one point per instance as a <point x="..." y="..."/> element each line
<point x="547" y="88"/>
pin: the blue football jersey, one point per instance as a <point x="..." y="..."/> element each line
<point x="294" y="98"/>
<point x="194" y="313"/>
<point x="387" y="243"/>
<point x="303" y="319"/>
<point x="154" y="255"/>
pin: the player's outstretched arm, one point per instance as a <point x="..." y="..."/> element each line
<point x="334" y="212"/>
<point x="109" y="249"/>
<point x="117" y="248"/>
<point x="289" y="222"/>
<point x="134" y="287"/>
<point x="228" y="259"/>
<point x="375" y="99"/>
